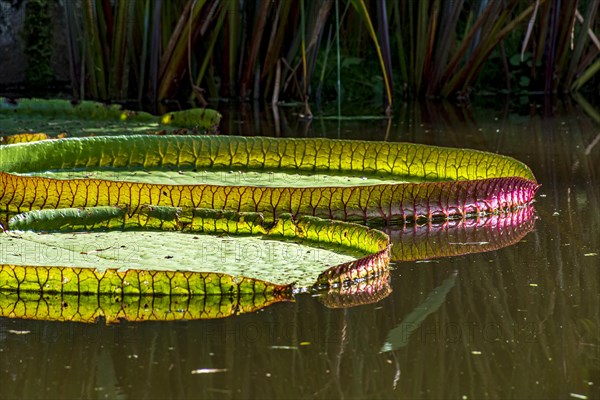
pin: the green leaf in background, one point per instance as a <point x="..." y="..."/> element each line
<point x="91" y="118"/>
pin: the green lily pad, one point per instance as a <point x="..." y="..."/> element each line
<point x="443" y="183"/>
<point x="81" y="251"/>
<point x="91" y="118"/>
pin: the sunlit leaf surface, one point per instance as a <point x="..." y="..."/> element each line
<point x="113" y="256"/>
<point x="455" y="182"/>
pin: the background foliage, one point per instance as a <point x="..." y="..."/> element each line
<point x="322" y="50"/>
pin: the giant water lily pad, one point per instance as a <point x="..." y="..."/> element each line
<point x="451" y="182"/>
<point x="122" y="240"/>
<point x="55" y="117"/>
<point x="110" y="251"/>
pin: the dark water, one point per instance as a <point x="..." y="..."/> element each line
<point x="519" y="322"/>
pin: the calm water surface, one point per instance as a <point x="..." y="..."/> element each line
<point x="518" y="322"/>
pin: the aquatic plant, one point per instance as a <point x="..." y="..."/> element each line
<point x="454" y="182"/>
<point x="284" y="188"/>
<point x="158" y="50"/>
<point x="91" y="118"/>
<point x="54" y="301"/>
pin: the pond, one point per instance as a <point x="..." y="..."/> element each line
<point x="513" y="311"/>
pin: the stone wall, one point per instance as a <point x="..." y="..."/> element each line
<point x="13" y="62"/>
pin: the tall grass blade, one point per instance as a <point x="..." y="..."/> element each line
<point x="383" y="30"/>
<point x="361" y="8"/>
<point x="458" y="56"/>
<point x="275" y="41"/>
<point x="155" y="48"/>
<point x="324" y="68"/>
<point x="529" y="29"/>
<point x="73" y="38"/>
<point x="174" y="59"/>
<point x="118" y="58"/>
<point x="257" y="34"/>
<point x="141" y="81"/>
<point x="211" y="42"/>
<point x="99" y="51"/>
<point x="318" y="16"/>
<point x="449" y="21"/>
<point x="398" y="33"/>
<point x="576" y="57"/>
<point x="465" y="75"/>
<point x="338" y="83"/>
<point x="586" y="75"/>
<point x="232" y="44"/>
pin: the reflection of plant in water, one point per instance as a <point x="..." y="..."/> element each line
<point x="113" y="308"/>
<point x="459" y="237"/>
<point x="366" y="292"/>
<point x="451" y="238"/>
<point x="399" y="336"/>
